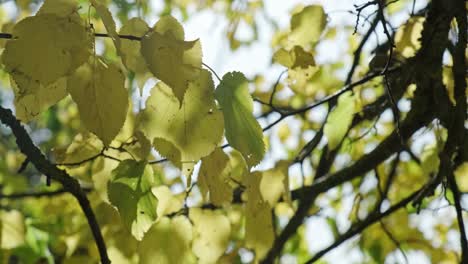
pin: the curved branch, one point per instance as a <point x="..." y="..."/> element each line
<point x="34" y="155"/>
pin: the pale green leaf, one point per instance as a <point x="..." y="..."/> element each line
<point x="109" y="24"/>
<point x="171" y="59"/>
<point x="430" y="159"/>
<point x="62" y="8"/>
<point x="242" y="130"/>
<point x="130" y="191"/>
<point x="211" y="237"/>
<point x="168" y="242"/>
<point x="194" y="129"/>
<point x="46" y="47"/>
<point x="339" y="120"/>
<point x="32" y="98"/>
<point x="259" y="232"/>
<point x="307" y="26"/>
<point x="213" y="178"/>
<point x="296" y="57"/>
<point x="275" y="183"/>
<point x="168" y="202"/>
<point x="461" y="176"/>
<point x="12" y="229"/>
<point x="98" y="90"/>
<point x="131" y="49"/>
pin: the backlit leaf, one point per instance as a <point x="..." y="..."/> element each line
<point x="211" y="236"/>
<point x="339" y="120"/>
<point x="32" y="98"/>
<point x="168" y="242"/>
<point x="12" y="229"/>
<point x="109" y="23"/>
<point x="407" y="37"/>
<point x="213" y="178"/>
<point x="194" y="129"/>
<point x="461" y="176"/>
<point x="131" y="49"/>
<point x="171" y="59"/>
<point x="46" y="47"/>
<point x="130" y="191"/>
<point x="98" y="90"/>
<point x="242" y="130"/>
<point x="307" y="25"/>
<point x="259" y="232"/>
<point x="168" y="203"/>
<point x="275" y="183"/>
<point x="62" y="8"/>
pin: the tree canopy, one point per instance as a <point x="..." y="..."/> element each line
<point x="120" y="142"/>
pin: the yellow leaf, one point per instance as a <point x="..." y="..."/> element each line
<point x="259" y="232"/>
<point x="171" y="59"/>
<point x="12" y="229"/>
<point x="275" y="183"/>
<point x="109" y="24"/>
<point x="82" y="147"/>
<point x="46" y="47"/>
<point x="430" y="159"/>
<point x="407" y="37"/>
<point x="214" y="176"/>
<point x="211" y="236"/>
<point x="99" y="91"/>
<point x="296" y="57"/>
<point x="131" y="49"/>
<point x="82" y="151"/>
<point x="461" y="176"/>
<point x="339" y="120"/>
<point x="168" y="203"/>
<point x="307" y="26"/>
<point x="61" y="8"/>
<point x="167" y="242"/>
<point x="195" y="129"/>
<point x="32" y="98"/>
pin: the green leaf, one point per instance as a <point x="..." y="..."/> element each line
<point x="242" y="130"/>
<point x="130" y="191"/>
<point x="307" y="25"/>
<point x="194" y="129"/>
<point x="339" y="120"/>
<point x="171" y="59"/>
<point x="98" y="90"/>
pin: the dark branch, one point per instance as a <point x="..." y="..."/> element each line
<point x="43" y="165"/>
<point x="361" y="226"/>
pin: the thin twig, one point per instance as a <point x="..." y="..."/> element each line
<point x="362" y="225"/>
